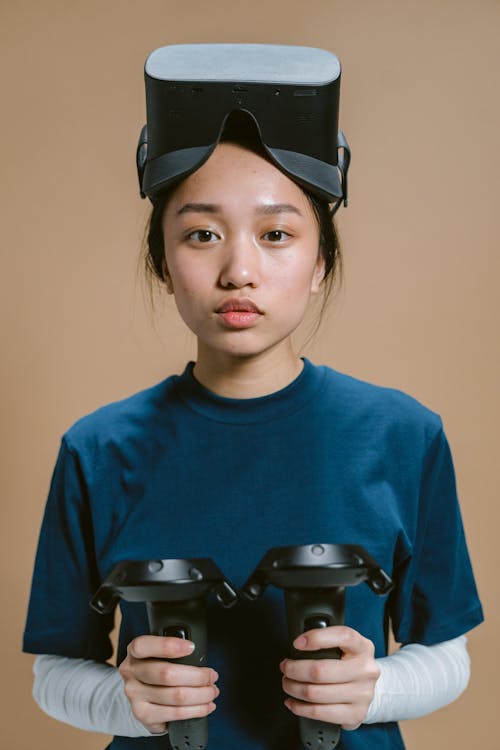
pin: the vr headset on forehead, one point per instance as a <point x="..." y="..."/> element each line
<point x="290" y="94"/>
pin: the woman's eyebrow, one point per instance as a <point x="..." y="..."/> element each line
<point x="266" y="209"/>
<point x="278" y="208"/>
<point x="199" y="208"/>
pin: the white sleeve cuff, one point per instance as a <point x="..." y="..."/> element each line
<point x="86" y="694"/>
<point x="418" y="679"/>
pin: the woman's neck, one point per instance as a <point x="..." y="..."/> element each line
<point x="247" y="377"/>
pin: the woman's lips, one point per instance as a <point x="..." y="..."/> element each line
<point x="239" y="313"/>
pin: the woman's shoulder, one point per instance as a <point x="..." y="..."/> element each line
<point x="121" y="419"/>
<point x="366" y="400"/>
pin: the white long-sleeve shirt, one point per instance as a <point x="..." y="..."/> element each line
<point x="414" y="681"/>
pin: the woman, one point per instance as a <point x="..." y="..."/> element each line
<point x="251" y="447"/>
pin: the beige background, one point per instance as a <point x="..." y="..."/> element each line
<point x="418" y="311"/>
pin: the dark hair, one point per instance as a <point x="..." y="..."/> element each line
<point x="241" y="129"/>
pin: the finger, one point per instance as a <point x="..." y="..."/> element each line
<point x="334" y="671"/>
<point x="168" y="674"/>
<point x="158" y="728"/>
<point x="346" y="715"/>
<point x="325" y="694"/>
<point x="348" y="640"/>
<point x="159" y="647"/>
<point x="151" y="714"/>
<point x="172" y="696"/>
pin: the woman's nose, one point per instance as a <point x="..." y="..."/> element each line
<point x="241" y="265"/>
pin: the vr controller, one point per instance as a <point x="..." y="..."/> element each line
<point x="175" y="593"/>
<point x="314" y="578"/>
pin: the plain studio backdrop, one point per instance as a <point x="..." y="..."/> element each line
<point x="418" y="310"/>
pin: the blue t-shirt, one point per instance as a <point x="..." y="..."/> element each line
<point x="177" y="471"/>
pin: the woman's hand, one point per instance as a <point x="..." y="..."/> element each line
<point x="161" y="691"/>
<point x="338" y="691"/>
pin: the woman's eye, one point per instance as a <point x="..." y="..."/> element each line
<point x="202" y="235"/>
<point x="276" y="235"/>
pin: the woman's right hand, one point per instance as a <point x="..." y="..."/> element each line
<point x="161" y="691"/>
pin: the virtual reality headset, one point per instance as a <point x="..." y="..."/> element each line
<point x="290" y="94"/>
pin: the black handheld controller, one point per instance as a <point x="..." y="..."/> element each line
<point x="314" y="578"/>
<point x="175" y="593"/>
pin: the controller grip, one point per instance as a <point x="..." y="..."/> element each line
<point x="184" y="619"/>
<point x="307" y="609"/>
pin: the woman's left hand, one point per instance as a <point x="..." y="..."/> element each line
<point x="338" y="691"/>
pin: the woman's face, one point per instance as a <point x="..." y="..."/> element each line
<point x="241" y="254"/>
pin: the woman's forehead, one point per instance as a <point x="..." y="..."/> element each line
<point x="233" y="173"/>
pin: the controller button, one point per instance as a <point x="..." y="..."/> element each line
<point x="317" y="621"/>
<point x="155" y="566"/>
<point x="317" y="550"/>
<point x="176" y="631"/>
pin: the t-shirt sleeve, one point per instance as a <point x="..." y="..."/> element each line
<point x="60" y="620"/>
<point x="436" y="597"/>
